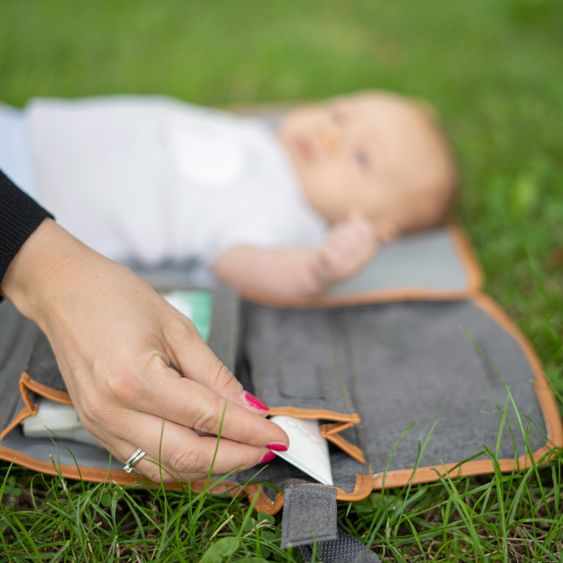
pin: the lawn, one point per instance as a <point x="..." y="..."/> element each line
<point x="493" y="70"/>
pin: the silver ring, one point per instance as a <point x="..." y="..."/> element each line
<point x="133" y="459"/>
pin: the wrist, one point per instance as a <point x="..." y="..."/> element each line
<point x="318" y="275"/>
<point x="34" y="276"/>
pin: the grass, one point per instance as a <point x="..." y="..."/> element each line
<point x="492" y="68"/>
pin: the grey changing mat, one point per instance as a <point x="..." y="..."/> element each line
<point x="397" y="386"/>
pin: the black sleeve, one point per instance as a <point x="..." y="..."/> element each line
<point x="19" y="217"/>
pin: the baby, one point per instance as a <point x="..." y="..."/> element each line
<point x="287" y="208"/>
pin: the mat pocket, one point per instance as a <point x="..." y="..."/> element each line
<point x="313" y="392"/>
<point x="41" y="378"/>
<point x="297" y="363"/>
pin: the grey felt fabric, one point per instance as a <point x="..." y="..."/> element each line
<point x="17" y="336"/>
<point x="42" y="366"/>
<point x="309" y="515"/>
<point x="296" y="358"/>
<point x="443" y="367"/>
<point x="407" y="368"/>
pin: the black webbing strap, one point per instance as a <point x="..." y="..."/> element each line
<point x="344" y="549"/>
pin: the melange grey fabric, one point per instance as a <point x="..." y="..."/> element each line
<point x="309" y="514"/>
<point x="344" y="549"/>
<point x="407" y="369"/>
<point x="17" y="336"/>
<point x="296" y="358"/>
<point x="42" y="366"/>
<point x="443" y="367"/>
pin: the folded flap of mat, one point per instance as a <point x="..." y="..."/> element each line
<point x="332" y="431"/>
<point x="28" y="408"/>
<point x="300" y="368"/>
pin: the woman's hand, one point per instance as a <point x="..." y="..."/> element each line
<point x="136" y="369"/>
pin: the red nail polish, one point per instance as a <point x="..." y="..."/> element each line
<point x="277" y="447"/>
<point x="268" y="456"/>
<point x="254" y="402"/>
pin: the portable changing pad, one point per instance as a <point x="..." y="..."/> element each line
<point x="409" y="367"/>
<point x="383" y="377"/>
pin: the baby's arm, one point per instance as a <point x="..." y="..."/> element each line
<point x="292" y="272"/>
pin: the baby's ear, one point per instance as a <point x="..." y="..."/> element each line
<point x="386" y="230"/>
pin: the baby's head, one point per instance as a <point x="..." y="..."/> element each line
<point x="377" y="153"/>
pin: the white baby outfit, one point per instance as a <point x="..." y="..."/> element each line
<point x="153" y="179"/>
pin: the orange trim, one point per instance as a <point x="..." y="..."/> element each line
<point x="402" y="477"/>
<point x="334" y="428"/>
<point x="28" y="409"/>
<point x="468" y="258"/>
<point x="363" y="298"/>
<point x="351" y="449"/>
<point x="263" y="503"/>
<point x="332" y="433"/>
<point x="547" y="401"/>
<point x="329" y="431"/>
<point x="25" y="394"/>
<point x="255" y="492"/>
<point x="18" y="419"/>
<point x="27" y="384"/>
<point x="44" y="390"/>
<point x="548" y="405"/>
<point x="461" y="244"/>
<point x="310" y="414"/>
<point x="97" y="475"/>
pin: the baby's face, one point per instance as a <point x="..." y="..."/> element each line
<point x="362" y="153"/>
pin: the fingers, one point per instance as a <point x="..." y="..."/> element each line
<point x="194" y="405"/>
<point x="198" y="362"/>
<point x="348" y="247"/>
<point x="355" y="229"/>
<point x="175" y="453"/>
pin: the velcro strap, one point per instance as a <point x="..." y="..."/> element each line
<point x="309" y="515"/>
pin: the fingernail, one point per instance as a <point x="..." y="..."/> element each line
<point x="277" y="447"/>
<point x="254" y="402"/>
<point x="267" y="457"/>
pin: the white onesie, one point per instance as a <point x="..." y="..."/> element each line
<point x="154" y="179"/>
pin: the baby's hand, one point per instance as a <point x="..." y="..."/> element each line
<point x="348" y="247"/>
